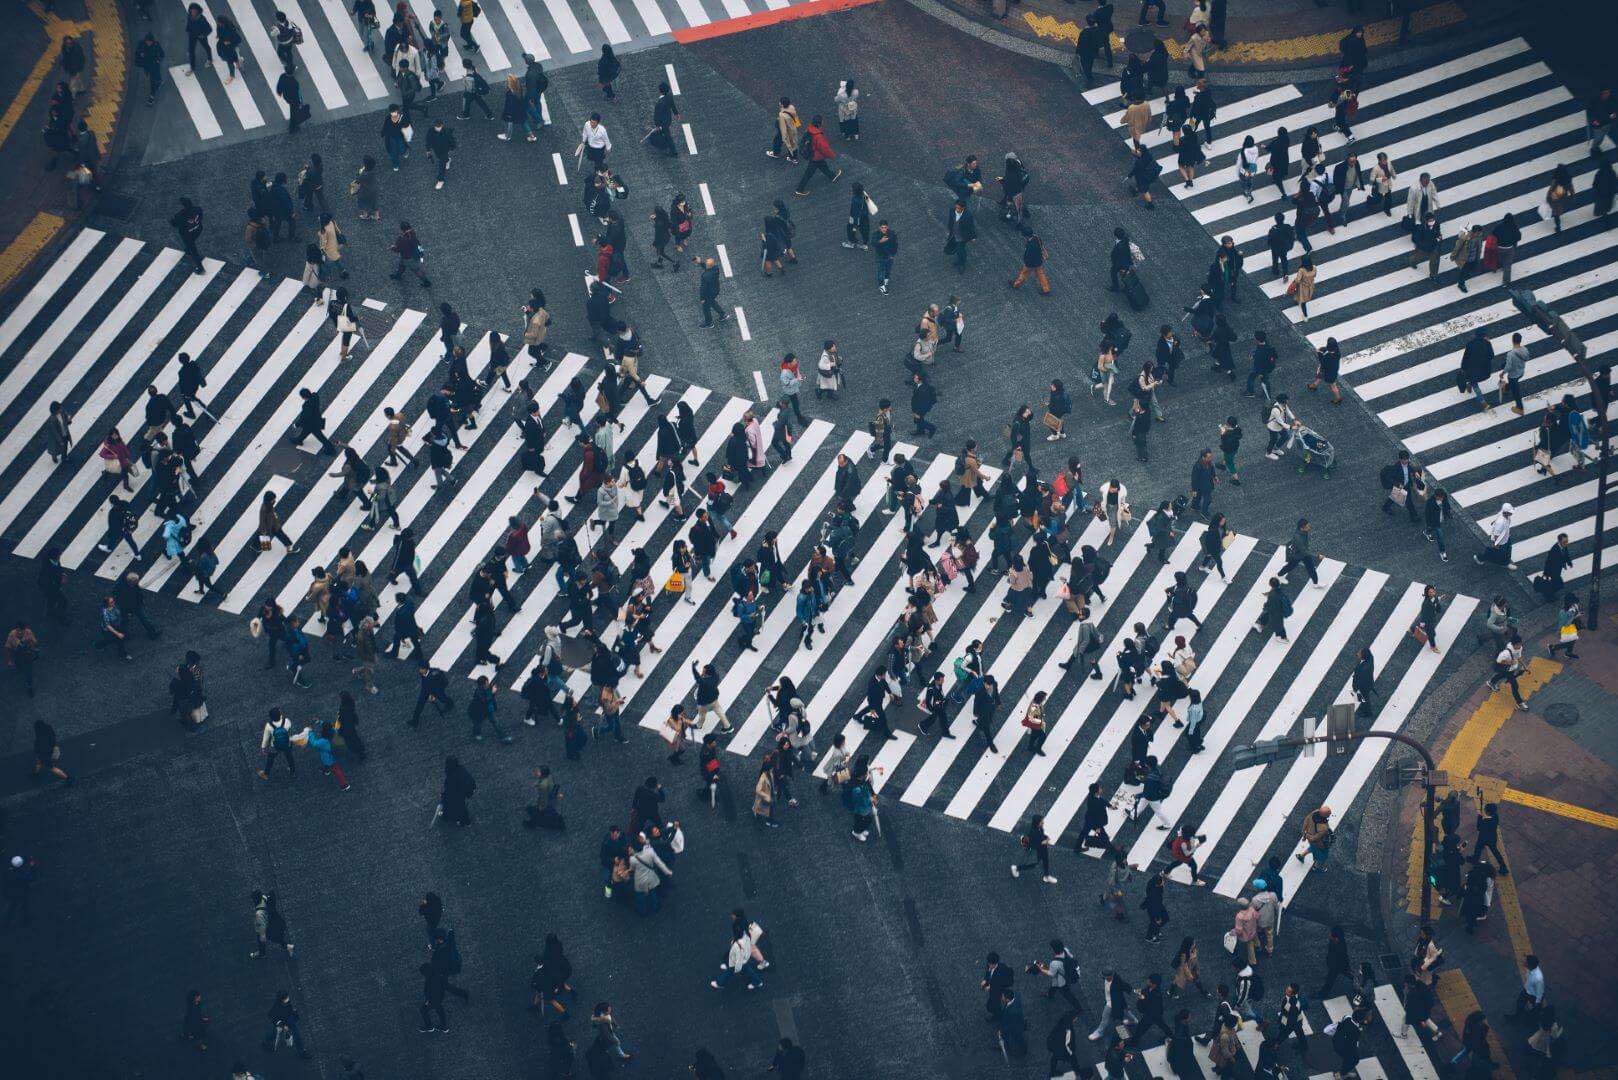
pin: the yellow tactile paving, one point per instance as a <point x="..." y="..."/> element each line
<point x="1280" y="50"/>
<point x="1455" y="994"/>
<point x="111" y="69"/>
<point x="29" y="243"/>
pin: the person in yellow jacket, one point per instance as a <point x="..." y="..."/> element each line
<point x="469" y="12"/>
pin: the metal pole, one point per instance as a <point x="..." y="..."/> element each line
<point x="1428" y="807"/>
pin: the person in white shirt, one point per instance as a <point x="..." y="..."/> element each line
<point x="1507" y="664"/>
<point x="594" y="140"/>
<point x="1499" y="540"/>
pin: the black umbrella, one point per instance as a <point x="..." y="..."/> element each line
<point x="1140" y="41"/>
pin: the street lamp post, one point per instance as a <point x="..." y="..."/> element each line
<point x="1267" y="750"/>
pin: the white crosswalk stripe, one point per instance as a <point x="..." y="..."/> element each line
<point x="1490" y="126"/>
<point x="339" y="77"/>
<point x="110" y="317"/>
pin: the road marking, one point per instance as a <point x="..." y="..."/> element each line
<point x="374" y="304"/>
<point x="652" y="16"/>
<point x="561" y="169"/>
<point x="573" y="223"/>
<point x="527" y="33"/>
<point x="544" y="110"/>
<point x="742" y="19"/>
<point x="568" y="24"/>
<point x="1561" y="809"/>
<point x="196" y="104"/>
<point x="348" y="37"/>
<point x="695" y="15"/>
<point x="724" y="259"/>
<point x="758" y="376"/>
<point x="707" y="199"/>
<point x="611" y="24"/>
<point x="674" y="80"/>
<point x="741" y="323"/>
<point x="690" y="139"/>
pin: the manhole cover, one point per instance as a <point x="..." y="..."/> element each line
<point x="116" y="204"/>
<point x="1561" y="714"/>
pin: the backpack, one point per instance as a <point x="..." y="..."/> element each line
<point x="452" y="953"/>
<point x="280" y="737"/>
<point x="480" y="85"/>
<point x="960" y="668"/>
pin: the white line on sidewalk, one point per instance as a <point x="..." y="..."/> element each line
<point x="690" y="139"/>
<point x="741" y="323"/>
<point x="674" y="82"/>
<point x="707" y="199"/>
<point x="758" y="377"/>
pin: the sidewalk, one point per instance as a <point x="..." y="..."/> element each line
<point x="1259" y="34"/>
<point x="36" y="201"/>
<point x="1553" y="771"/>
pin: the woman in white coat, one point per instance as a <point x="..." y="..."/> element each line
<point x="739" y="961"/>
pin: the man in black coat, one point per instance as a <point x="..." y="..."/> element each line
<point x="708" y="293"/>
<point x="1122" y="257"/>
<point x="997" y="977"/>
<point x="922" y="399"/>
<point x="963" y="229"/>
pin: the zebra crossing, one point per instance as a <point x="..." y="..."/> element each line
<point x="110" y="316"/>
<point x="341" y="76"/>
<point x="1490" y="126"/>
<point x="1410" y="1055"/>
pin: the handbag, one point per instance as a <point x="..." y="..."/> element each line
<point x="1053" y="421"/>
<point x="1570" y="632"/>
<point x="1419" y="632"/>
<point x="1228" y="539"/>
<point x="1399" y="495"/>
<point x="1542" y="457"/>
<point x="264" y="543"/>
<point x="110" y="466"/>
<point x="1230" y="941"/>
<point x="1292" y="287"/>
<point x="675" y="583"/>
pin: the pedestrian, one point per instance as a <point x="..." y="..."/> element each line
<point x="269" y="927"/>
<point x="1033" y="261"/>
<point x="197" y="32"/>
<point x="149" y="58"/>
<point x="1318" y="836"/>
<point x="961" y="230"/>
<point x="412" y="256"/>
<point x="458" y="788"/>
<point x="284" y="1021"/>
<point x="1038" y="846"/>
<point x="1499" y="549"/>
<point x="1530" y="1000"/>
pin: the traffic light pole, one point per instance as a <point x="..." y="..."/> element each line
<point x="1273" y="747"/>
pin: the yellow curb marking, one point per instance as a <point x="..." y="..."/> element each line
<point x="107" y="92"/>
<point x="30" y="86"/>
<point x="29" y="243"/>
<point x="1454" y="993"/>
<point x="1384" y="32"/>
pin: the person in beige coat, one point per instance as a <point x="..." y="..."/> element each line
<point x="331" y="241"/>
<point x="535" y="330"/>
<point x="1196" y="50"/>
<point x="1138" y="119"/>
<point x="1302" y="286"/>
<point x="787" y="126"/>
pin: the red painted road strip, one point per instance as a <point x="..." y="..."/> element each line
<point x="765" y="18"/>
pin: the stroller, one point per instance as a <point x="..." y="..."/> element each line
<point x="1314" y="449"/>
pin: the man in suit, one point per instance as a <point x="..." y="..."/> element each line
<point x="1122" y="257"/>
<point x="963" y="229"/>
<point x="1402" y="474"/>
<point x="997" y="979"/>
<point x="1557" y="560"/>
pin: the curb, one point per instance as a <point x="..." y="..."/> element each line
<point x="1457" y="34"/>
<point x="48" y="232"/>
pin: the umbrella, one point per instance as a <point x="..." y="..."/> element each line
<point x="1140" y="41"/>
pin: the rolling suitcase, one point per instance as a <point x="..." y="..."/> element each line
<point x="1134" y="291"/>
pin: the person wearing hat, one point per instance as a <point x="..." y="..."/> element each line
<point x="1246" y="930"/>
<point x="1318" y="835"/>
<point x="1267" y="905"/>
<point x="1499" y="540"/>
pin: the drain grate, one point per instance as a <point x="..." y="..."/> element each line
<point x="119" y="205"/>
<point x="1561" y="714"/>
<point x="1390" y="962"/>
